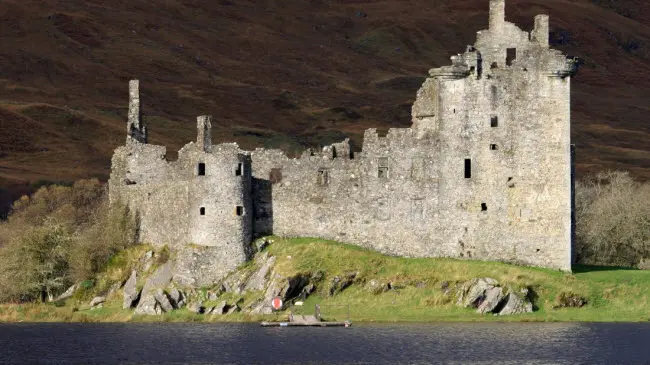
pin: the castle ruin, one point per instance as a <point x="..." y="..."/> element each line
<point x="485" y="171"/>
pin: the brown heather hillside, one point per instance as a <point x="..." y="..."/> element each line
<point x="282" y="73"/>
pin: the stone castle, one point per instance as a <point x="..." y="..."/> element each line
<point x="485" y="172"/>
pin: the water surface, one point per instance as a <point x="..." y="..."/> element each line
<point x="447" y="343"/>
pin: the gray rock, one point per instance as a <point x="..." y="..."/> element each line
<point x="148" y="305"/>
<point x="146" y="261"/>
<point x="236" y="282"/>
<point x="376" y="287"/>
<point x="473" y="292"/>
<point x="234" y="308"/>
<point x="176" y="298"/>
<point x="257" y="280"/>
<point x="159" y="279"/>
<point x="491" y="300"/>
<point x="340" y="282"/>
<point x="514" y="303"/>
<point x="97" y="301"/>
<point x="130" y="293"/>
<point x="196" y="307"/>
<point x="283" y="287"/>
<point x="163" y="301"/>
<point x="68" y="293"/>
<point x="219" y="308"/>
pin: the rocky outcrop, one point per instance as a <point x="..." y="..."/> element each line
<point x="196" y="307"/>
<point x="487" y="296"/>
<point x="217" y="309"/>
<point x="176" y="298"/>
<point x="97" y="302"/>
<point x="514" y="303"/>
<point x="257" y="280"/>
<point x="68" y="293"/>
<point x="151" y="300"/>
<point x="569" y="300"/>
<point x="130" y="293"/>
<point x="340" y="282"/>
<point x="376" y="287"/>
<point x="148" y="305"/>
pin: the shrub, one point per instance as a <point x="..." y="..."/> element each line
<point x="612" y="220"/>
<point x="59" y="236"/>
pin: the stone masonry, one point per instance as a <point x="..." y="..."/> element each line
<point x="483" y="173"/>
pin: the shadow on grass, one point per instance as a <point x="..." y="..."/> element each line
<point x="577" y="269"/>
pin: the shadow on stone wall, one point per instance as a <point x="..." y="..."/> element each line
<point x="262" y="207"/>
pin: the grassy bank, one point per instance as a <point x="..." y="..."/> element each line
<point x="613" y="294"/>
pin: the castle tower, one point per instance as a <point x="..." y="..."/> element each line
<point x="135" y="128"/>
<point x="503" y="111"/>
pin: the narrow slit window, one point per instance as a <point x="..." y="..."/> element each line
<point x="201" y="169"/>
<point x="494" y="147"/>
<point x="323" y="177"/>
<point x="494" y="121"/>
<point x="511" y="55"/>
<point x="202" y="211"/>
<point x="239" y="210"/>
<point x="468" y="168"/>
<point x="240" y="169"/>
<point x="382" y="169"/>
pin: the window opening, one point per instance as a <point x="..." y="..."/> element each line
<point x="323" y="177"/>
<point x="483" y="207"/>
<point x="382" y="169"/>
<point x="494" y="121"/>
<point x="202" y="211"/>
<point x="240" y="168"/>
<point x="468" y="168"/>
<point x="511" y="55"/>
<point x="201" y="169"/>
<point x="239" y="210"/>
<point x="494" y="147"/>
<point x="494" y="65"/>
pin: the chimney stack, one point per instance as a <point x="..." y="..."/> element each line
<point x="204" y="132"/>
<point x="497" y="15"/>
<point x="541" y="30"/>
<point x="135" y="127"/>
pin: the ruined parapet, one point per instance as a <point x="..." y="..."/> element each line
<point x="135" y="129"/>
<point x="204" y="132"/>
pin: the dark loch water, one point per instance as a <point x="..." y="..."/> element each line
<point x="489" y="343"/>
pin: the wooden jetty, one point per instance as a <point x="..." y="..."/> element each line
<point x="306" y="321"/>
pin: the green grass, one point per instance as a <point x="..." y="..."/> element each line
<point x="613" y="294"/>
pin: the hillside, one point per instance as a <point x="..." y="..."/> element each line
<point x="285" y="74"/>
<point x="384" y="288"/>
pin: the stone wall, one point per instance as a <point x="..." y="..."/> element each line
<point x="484" y="172"/>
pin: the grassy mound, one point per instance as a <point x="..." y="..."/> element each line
<point x="417" y="289"/>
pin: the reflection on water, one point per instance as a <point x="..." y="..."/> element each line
<point x="448" y="343"/>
